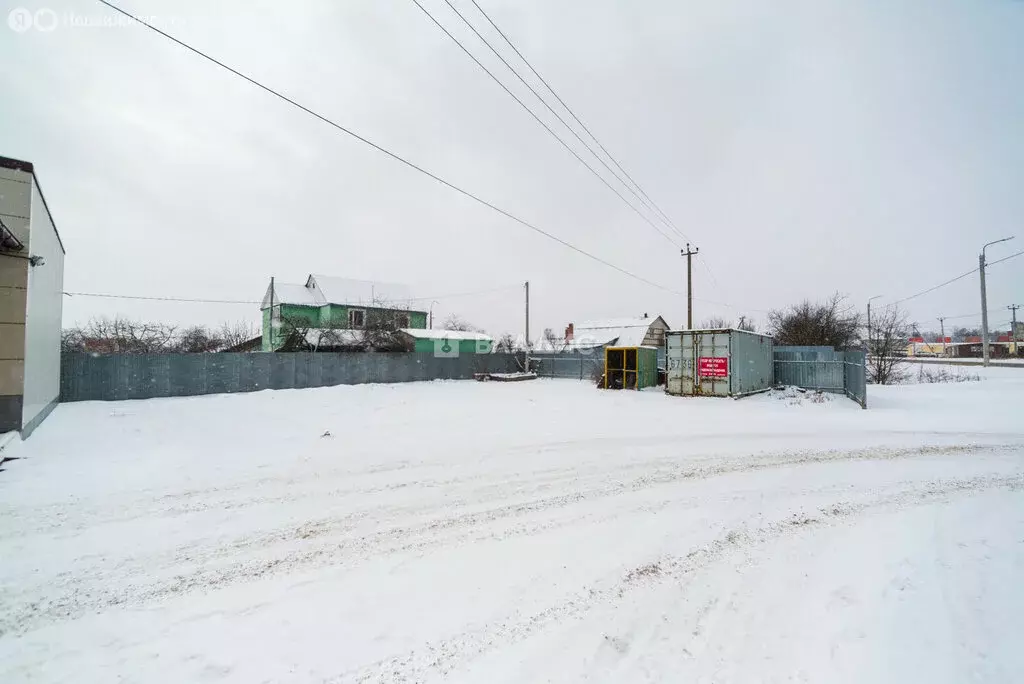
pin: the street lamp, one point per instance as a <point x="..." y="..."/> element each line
<point x="869" y="321"/>
<point x="984" y="299"/>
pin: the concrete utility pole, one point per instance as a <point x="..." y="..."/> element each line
<point x="984" y="300"/>
<point x="869" y="321"/>
<point x="1013" y="326"/>
<point x="270" y="328"/>
<point x="688" y="253"/>
<point x="942" y="331"/>
<point x="527" y="285"/>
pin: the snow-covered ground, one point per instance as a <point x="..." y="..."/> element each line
<point x="519" y="532"/>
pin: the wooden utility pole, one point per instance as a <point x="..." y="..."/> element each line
<point x="942" y="331"/>
<point x="688" y="253"/>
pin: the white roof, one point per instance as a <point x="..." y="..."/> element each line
<point x="622" y="332"/>
<point x="421" y="334"/>
<point x="617" y="323"/>
<point x="320" y="290"/>
<point x="368" y="293"/>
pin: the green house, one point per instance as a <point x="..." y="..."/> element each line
<point x="447" y="342"/>
<point x="326" y="303"/>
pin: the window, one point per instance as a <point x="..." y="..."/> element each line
<point x="356" y="318"/>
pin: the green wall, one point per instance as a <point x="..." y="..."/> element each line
<point x="327" y="316"/>
<point x="465" y="346"/>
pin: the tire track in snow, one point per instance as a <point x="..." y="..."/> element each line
<point x="444" y="656"/>
<point x="97" y="590"/>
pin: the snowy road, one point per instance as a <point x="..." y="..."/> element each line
<point x="538" y="531"/>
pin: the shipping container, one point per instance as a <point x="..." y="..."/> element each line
<point x="718" y="363"/>
<point x="630" y="367"/>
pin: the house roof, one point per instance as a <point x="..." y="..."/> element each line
<point x="622" y="332"/>
<point x="422" y="334"/>
<point x="366" y="292"/>
<point x="320" y="290"/>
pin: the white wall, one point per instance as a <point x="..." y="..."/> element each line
<point x="43" y="313"/>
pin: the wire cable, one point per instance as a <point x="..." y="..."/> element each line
<point x="160" y="299"/>
<point x="573" y="114"/>
<point x="388" y="152"/>
<point x="959" y="277"/>
<point x="541" y="122"/>
<point x="544" y="102"/>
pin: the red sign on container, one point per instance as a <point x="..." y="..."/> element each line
<point x="713" y="366"/>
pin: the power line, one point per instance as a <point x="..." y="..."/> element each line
<point x="953" y="280"/>
<point x="107" y="295"/>
<point x="997" y="261"/>
<point x="160" y="299"/>
<point x="932" y="289"/>
<point x="573" y="114"/>
<point x="539" y="120"/>
<point x="387" y="152"/>
<point x="544" y="102"/>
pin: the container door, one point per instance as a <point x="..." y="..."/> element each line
<point x="674" y="364"/>
<point x="711" y="361"/>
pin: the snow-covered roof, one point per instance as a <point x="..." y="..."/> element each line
<point x="366" y="292"/>
<point x="606" y="323"/>
<point x="622" y="332"/>
<point x="421" y="334"/>
<point x="289" y="293"/>
<point x="320" y="290"/>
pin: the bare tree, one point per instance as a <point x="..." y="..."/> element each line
<point x="454" y="322"/>
<point x="381" y="326"/>
<point x="889" y="334"/>
<point x="832" y="323"/>
<point x="715" y="323"/>
<point x="197" y="339"/>
<point x="506" y="344"/>
<point x="120" y="335"/>
<point x="555" y="343"/>
<point x="234" y="334"/>
<point x="746" y="323"/>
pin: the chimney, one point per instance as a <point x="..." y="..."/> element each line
<point x="645" y="314"/>
<point x="568" y="333"/>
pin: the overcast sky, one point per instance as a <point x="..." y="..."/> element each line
<point x="806" y="147"/>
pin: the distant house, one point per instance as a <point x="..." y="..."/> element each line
<point x="444" y="342"/>
<point x="617" y="332"/>
<point x="320" y="309"/>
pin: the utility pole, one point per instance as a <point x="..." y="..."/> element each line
<point x="270" y="328"/>
<point x="527" y="286"/>
<point x="984" y="300"/>
<point x="1013" y="327"/>
<point x="942" y="331"/>
<point x="688" y="253"/>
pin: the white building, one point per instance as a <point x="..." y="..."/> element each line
<point x="31" y="287"/>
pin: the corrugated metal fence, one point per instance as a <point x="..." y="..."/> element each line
<point x="585" y="365"/>
<point x="823" y="368"/>
<point x="143" y="376"/>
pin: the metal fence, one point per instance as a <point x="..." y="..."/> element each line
<point x="570" y="364"/>
<point x="579" y="365"/>
<point x="143" y="376"/>
<point x="822" y="368"/>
